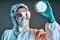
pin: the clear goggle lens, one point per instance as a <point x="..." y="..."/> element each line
<point x="20" y="14"/>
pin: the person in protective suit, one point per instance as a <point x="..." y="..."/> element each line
<point x="20" y="16"/>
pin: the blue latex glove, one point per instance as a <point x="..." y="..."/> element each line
<point x="46" y="12"/>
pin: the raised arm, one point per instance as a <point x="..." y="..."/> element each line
<point x="52" y="27"/>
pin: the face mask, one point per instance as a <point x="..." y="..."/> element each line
<point x="21" y="23"/>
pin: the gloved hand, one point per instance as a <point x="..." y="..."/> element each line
<point x="44" y="9"/>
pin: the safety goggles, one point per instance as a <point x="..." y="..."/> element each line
<point x="20" y="14"/>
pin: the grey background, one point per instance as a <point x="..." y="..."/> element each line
<point x="36" y="21"/>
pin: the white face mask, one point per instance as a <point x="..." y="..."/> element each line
<point x="21" y="23"/>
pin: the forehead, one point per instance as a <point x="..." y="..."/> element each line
<point x="21" y="9"/>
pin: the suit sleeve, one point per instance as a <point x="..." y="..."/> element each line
<point x="52" y="31"/>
